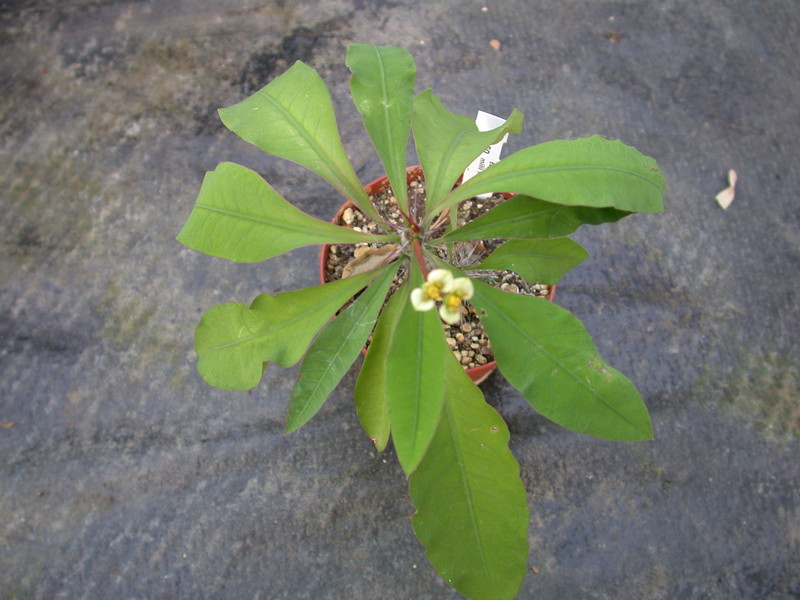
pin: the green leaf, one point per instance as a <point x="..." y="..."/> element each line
<point x="335" y="349"/>
<point x="447" y="143"/>
<point x="547" y="354"/>
<point x="371" y="395"/>
<point x="472" y="513"/>
<point x="525" y="217"/>
<point x="536" y="261"/>
<point x="414" y="382"/>
<point x="292" y="117"/>
<point x="233" y="341"/>
<point x="587" y="172"/>
<point x="382" y="87"/>
<point x="240" y="217"/>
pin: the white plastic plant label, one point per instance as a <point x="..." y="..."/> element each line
<point x="485" y="122"/>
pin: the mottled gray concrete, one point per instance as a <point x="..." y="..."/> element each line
<point x="123" y="476"/>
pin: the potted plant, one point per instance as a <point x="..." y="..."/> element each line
<point x="466" y="337"/>
<point x="471" y="511"/>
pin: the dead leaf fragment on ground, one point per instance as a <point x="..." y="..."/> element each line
<point x="495" y="44"/>
<point x="725" y="197"/>
<point x="368" y="259"/>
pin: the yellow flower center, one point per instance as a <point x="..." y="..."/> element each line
<point x="432" y="291"/>
<point x="452" y="301"/>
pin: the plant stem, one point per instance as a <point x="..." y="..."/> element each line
<point x="411" y="223"/>
<point x="420" y="258"/>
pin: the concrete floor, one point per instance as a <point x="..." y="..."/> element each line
<point x="123" y="476"/>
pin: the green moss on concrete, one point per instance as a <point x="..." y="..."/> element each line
<point x="146" y="345"/>
<point x="125" y="319"/>
<point x="766" y="391"/>
<point x="50" y="194"/>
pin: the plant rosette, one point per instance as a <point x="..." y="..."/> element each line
<point x="471" y="510"/>
<point x="467" y="338"/>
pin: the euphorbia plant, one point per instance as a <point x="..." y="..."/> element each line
<point x="471" y="511"/>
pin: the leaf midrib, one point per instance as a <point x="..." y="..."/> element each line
<point x="511" y="322"/>
<point x="328" y="369"/>
<point x="505" y="221"/>
<point x="454" y="144"/>
<point x="271" y="327"/>
<point x="418" y="381"/>
<point x="387" y="122"/>
<point x="358" y="319"/>
<point x="467" y="492"/>
<point x="320" y="227"/>
<point x="556" y="169"/>
<point x="323" y="157"/>
<point x="298" y="126"/>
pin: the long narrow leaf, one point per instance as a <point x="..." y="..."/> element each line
<point x="414" y="383"/>
<point x="371" y="391"/>
<point x="523" y="217"/>
<point x="382" y="87"/>
<point x="292" y="117"/>
<point x="547" y="354"/>
<point x="233" y="341"/>
<point x="536" y="261"/>
<point x="588" y="172"/>
<point x="334" y="350"/>
<point x="447" y="143"/>
<point x="240" y="217"/>
<point x="472" y="514"/>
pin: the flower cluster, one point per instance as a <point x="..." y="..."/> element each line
<point x="441" y="285"/>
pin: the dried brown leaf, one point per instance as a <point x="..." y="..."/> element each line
<point x="726" y="196"/>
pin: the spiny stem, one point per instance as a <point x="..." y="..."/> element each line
<point x="411" y="223"/>
<point x="420" y="258"/>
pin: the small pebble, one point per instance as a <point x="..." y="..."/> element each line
<point x="348" y="216"/>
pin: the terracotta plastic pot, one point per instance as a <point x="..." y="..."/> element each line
<point x="477" y="374"/>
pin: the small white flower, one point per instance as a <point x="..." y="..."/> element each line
<point x="450" y="310"/>
<point x="440" y="285"/>
<point x="420" y="301"/>
<point x="441" y="279"/>
<point x="463" y="287"/>
<point x="450" y="315"/>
